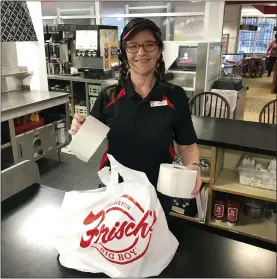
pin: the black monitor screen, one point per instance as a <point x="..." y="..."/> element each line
<point x="187" y="57"/>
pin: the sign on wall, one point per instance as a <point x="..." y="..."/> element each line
<point x="16" y="22"/>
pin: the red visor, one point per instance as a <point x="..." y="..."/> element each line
<point x="140" y="26"/>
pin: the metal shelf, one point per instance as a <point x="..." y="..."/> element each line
<point x="20" y="75"/>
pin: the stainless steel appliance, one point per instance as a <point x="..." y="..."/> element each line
<point x="34" y="144"/>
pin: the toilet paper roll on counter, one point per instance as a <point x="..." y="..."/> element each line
<point x="88" y="139"/>
<point x="176" y="181"/>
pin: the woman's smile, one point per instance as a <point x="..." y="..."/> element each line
<point x="142" y="61"/>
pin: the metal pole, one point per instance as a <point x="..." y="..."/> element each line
<point x="167" y="32"/>
<point x="126" y="11"/>
<point x="74" y="10"/>
<point x="58" y="15"/>
<point x="148" y="7"/>
<point x="254" y="45"/>
<point x="97" y="13"/>
<point x="238" y="31"/>
<point x="92" y="12"/>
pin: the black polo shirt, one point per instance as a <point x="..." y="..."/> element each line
<point x="142" y="130"/>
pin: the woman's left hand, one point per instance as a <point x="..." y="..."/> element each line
<point x="198" y="183"/>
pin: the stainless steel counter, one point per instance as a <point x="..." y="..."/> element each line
<point x="80" y="79"/>
<point x="18" y="103"/>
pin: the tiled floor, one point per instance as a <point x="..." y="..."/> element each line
<point x="257" y="96"/>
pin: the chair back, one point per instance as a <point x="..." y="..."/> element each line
<point x="268" y="113"/>
<point x="210" y="104"/>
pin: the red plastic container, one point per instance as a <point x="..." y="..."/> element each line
<point x="232" y="212"/>
<point x="219" y="209"/>
<point x="29" y="126"/>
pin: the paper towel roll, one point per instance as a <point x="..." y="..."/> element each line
<point x="176" y="181"/>
<point x="88" y="138"/>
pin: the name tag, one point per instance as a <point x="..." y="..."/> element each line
<point x="158" y="103"/>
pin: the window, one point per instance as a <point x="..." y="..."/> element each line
<point x="189" y="28"/>
<point x="257" y="41"/>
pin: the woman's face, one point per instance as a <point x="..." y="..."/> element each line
<point x="142" y="62"/>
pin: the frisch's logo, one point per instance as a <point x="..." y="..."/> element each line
<point x="120" y="242"/>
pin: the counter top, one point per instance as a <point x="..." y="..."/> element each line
<point x="80" y="79"/>
<point x="18" y="103"/>
<point x="236" y="134"/>
<point x="27" y="244"/>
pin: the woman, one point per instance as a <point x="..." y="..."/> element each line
<point x="272" y="52"/>
<point x="143" y="111"/>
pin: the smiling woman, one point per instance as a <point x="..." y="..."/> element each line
<point x="142" y="57"/>
<point x="144" y="112"/>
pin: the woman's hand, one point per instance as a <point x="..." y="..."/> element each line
<point x="77" y="122"/>
<point x="198" y="183"/>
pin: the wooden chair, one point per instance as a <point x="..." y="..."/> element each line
<point x="210" y="104"/>
<point x="245" y="67"/>
<point x="256" y="68"/>
<point x="268" y="113"/>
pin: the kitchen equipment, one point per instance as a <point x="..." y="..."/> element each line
<point x="66" y="68"/>
<point x="187" y="207"/>
<point x="99" y="74"/>
<point x="61" y="132"/>
<point x="36" y="143"/>
<point x="253" y="210"/>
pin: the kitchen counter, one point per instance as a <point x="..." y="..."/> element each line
<point x="27" y="244"/>
<point x="17" y="103"/>
<point x="80" y="79"/>
<point x="236" y="134"/>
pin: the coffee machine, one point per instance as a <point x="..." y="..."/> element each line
<point x="58" y="44"/>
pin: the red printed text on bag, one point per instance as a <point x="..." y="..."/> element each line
<point x="124" y="241"/>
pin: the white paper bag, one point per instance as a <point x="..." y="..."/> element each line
<point x="120" y="230"/>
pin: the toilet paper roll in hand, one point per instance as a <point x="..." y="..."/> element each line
<point x="176" y="181"/>
<point x="88" y="138"/>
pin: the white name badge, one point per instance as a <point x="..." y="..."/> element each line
<point x="158" y="103"/>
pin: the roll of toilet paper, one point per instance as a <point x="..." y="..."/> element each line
<point x="176" y="181"/>
<point x="88" y="139"/>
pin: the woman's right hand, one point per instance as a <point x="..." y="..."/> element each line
<point x="77" y="122"/>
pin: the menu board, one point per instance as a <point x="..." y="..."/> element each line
<point x="86" y="40"/>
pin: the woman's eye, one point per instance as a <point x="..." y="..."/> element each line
<point x="149" y="44"/>
<point x="132" y="46"/>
